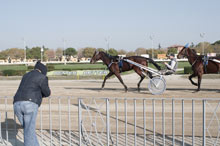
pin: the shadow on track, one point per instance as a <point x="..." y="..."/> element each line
<point x="133" y="90"/>
<point x="193" y="90"/>
<point x="9" y="130"/>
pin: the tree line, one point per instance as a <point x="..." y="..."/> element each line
<point x="49" y="54"/>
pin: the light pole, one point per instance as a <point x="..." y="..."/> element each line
<point x="41" y="50"/>
<point x="202" y="35"/>
<point x="107" y="42"/>
<point x="25" y="53"/>
<point x="64" y="54"/>
<point x="152" y="45"/>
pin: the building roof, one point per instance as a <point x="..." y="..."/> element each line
<point x="175" y="46"/>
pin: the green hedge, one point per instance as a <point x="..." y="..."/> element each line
<point x="30" y="67"/>
<point x="188" y="70"/>
<point x="80" y="67"/>
<point x="67" y="69"/>
<point x="50" y="67"/>
<point x="13" y="72"/>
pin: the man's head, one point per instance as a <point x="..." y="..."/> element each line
<point x="171" y="56"/>
<point x="41" y="67"/>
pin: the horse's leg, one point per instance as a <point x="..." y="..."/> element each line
<point x="190" y="78"/>
<point x="142" y="78"/>
<point x="120" y="79"/>
<point x="199" y="82"/>
<point x="139" y="83"/>
<point x="149" y="75"/>
<point x="142" y="75"/>
<point x="106" y="77"/>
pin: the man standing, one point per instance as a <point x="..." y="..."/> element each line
<point x="171" y="66"/>
<point x="33" y="87"/>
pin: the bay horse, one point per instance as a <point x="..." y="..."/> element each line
<point x="114" y="68"/>
<point x="200" y="65"/>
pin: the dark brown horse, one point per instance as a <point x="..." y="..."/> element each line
<point x="115" y="69"/>
<point x="199" y="64"/>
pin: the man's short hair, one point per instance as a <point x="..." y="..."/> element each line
<point x="171" y="55"/>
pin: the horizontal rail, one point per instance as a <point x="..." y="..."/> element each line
<point x="81" y="62"/>
<point x="132" y="98"/>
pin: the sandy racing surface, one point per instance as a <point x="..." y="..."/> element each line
<point x="177" y="86"/>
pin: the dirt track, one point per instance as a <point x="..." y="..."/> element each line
<point x="177" y="86"/>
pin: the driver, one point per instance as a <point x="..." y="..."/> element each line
<point x="171" y="66"/>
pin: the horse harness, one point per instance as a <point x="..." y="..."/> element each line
<point x="186" y="54"/>
<point x="205" y="60"/>
<point x="119" y="61"/>
<point x="195" y="61"/>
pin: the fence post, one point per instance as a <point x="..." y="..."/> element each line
<point x="192" y="122"/>
<point x="163" y="120"/>
<point x="41" y="126"/>
<point x="60" y="119"/>
<point x="135" y="124"/>
<point x="80" y="121"/>
<point x="125" y="102"/>
<point x="154" y="140"/>
<point x="116" y="109"/>
<point x="204" y="123"/>
<point x="15" y="130"/>
<point x="69" y="121"/>
<point x="173" y="122"/>
<point x="144" y="117"/>
<point x="6" y="117"/>
<point x="50" y="116"/>
<point x="183" y="122"/>
<point x="0" y="127"/>
<point x="107" y="121"/>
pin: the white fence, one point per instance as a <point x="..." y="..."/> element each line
<point x="67" y="62"/>
<point x="118" y="121"/>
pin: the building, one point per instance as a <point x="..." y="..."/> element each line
<point x="73" y="59"/>
<point x="161" y="56"/>
<point x="122" y="56"/>
<point x="145" y="55"/>
<point x="211" y="54"/>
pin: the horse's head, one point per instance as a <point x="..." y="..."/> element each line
<point x="184" y="52"/>
<point x="96" y="56"/>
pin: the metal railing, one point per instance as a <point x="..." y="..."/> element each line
<point x="118" y="121"/>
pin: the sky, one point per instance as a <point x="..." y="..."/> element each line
<point x="126" y="24"/>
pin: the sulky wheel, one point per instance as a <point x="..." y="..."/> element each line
<point x="157" y="85"/>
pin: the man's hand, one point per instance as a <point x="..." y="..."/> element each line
<point x="164" y="63"/>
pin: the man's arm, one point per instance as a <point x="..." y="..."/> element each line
<point x="45" y="90"/>
<point x="173" y="63"/>
<point x="171" y="66"/>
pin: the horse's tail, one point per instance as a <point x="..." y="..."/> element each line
<point x="154" y="63"/>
